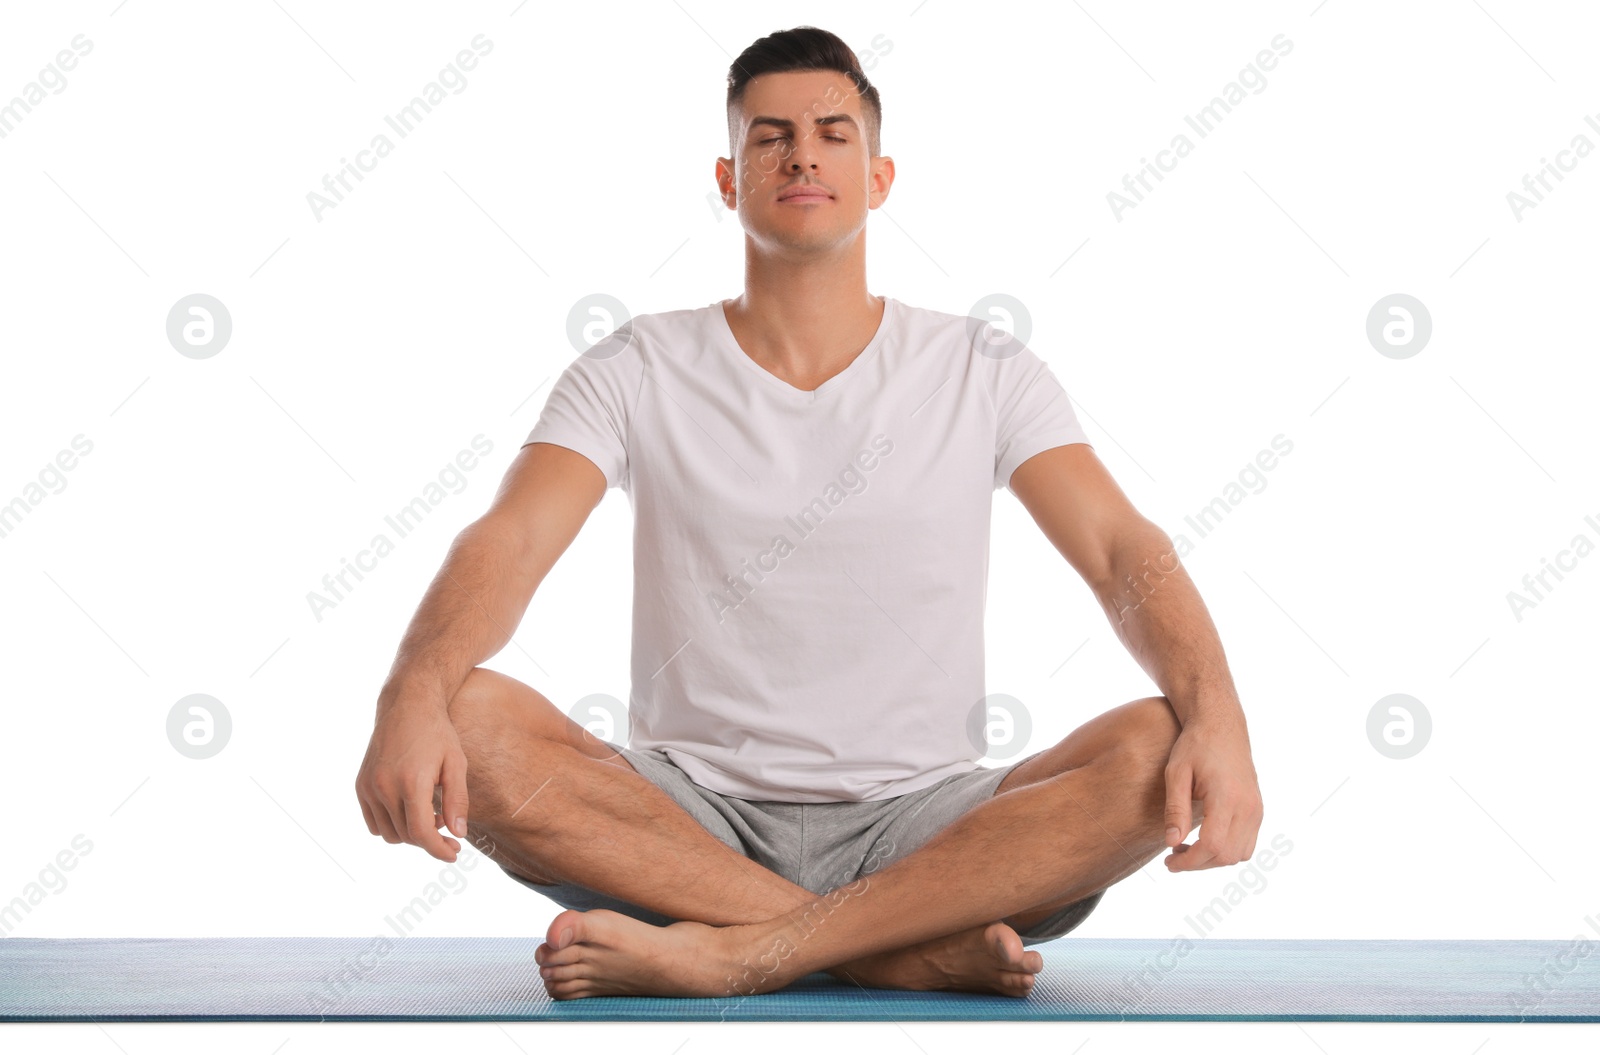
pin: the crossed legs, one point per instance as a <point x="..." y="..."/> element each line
<point x="549" y="803"/>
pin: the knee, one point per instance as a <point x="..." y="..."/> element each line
<point x="1148" y="728"/>
<point x="499" y="762"/>
<point x="478" y="709"/>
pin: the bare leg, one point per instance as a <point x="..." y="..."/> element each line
<point x="1061" y="838"/>
<point x="550" y="802"/>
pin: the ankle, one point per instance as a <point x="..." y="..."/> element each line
<point x="764" y="957"/>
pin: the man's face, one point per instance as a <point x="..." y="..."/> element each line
<point x="802" y="175"/>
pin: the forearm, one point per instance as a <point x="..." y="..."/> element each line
<point x="1158" y="614"/>
<point x="467" y="615"/>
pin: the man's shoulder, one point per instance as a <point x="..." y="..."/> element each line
<point x="936" y="325"/>
<point x="677" y="316"/>
<point x="988" y="341"/>
<point x="628" y="343"/>
<point x="672" y="320"/>
<point x="916" y="313"/>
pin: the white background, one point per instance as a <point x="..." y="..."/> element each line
<point x="371" y="345"/>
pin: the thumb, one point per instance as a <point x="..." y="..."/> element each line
<point x="454" y="779"/>
<point x="1179" y="786"/>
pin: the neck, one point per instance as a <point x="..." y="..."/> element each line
<point x="800" y="317"/>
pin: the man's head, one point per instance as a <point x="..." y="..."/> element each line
<point x="802" y="115"/>
<point x="803" y="48"/>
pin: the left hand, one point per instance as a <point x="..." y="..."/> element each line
<point x="1210" y="762"/>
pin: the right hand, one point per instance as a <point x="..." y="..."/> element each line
<point x="414" y="747"/>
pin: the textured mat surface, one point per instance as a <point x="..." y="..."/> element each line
<point x="429" y="978"/>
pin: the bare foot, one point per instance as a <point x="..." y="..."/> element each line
<point x="605" y="953"/>
<point x="988" y="958"/>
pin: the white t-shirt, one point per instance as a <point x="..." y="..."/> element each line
<point x="810" y="568"/>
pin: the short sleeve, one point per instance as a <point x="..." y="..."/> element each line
<point x="589" y="408"/>
<point x="1032" y="412"/>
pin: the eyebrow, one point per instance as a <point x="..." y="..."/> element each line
<point x="788" y="126"/>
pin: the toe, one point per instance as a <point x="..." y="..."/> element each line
<point x="567" y="990"/>
<point x="596" y="926"/>
<point x="561" y="957"/>
<point x="1019" y="983"/>
<point x="1006" y="945"/>
<point x="565" y="929"/>
<point x="1032" y="961"/>
<point x="566" y="973"/>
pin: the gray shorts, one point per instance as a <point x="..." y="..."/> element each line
<point x="815" y="845"/>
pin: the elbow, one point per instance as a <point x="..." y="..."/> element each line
<point x="1138" y="559"/>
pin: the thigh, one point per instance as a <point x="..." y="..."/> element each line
<point x="491" y="710"/>
<point x="742" y="826"/>
<point x="1147" y="725"/>
<point x="575" y="896"/>
<point x="916" y="818"/>
<point x="1062" y="921"/>
<point x="844" y="841"/>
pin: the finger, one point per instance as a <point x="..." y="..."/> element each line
<point x="366" y="814"/>
<point x="1203" y="857"/>
<point x="1225" y="838"/>
<point x="387" y="812"/>
<point x="419" y="815"/>
<point x="455" y="847"/>
<point x="1221" y="828"/>
<point x="1195" y="857"/>
<point x="438" y="822"/>
<point x="1180" y="788"/>
<point x="1211" y="849"/>
<point x="1250" y="827"/>
<point x="454" y="776"/>
<point x="414" y="826"/>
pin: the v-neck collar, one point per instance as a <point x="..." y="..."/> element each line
<point x="730" y="343"/>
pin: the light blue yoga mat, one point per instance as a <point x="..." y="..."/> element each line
<point x="1085" y="979"/>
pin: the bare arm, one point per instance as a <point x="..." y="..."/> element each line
<point x="495" y="564"/>
<point x="467" y="614"/>
<point x="1156" y="611"/>
<point x="1134" y="571"/>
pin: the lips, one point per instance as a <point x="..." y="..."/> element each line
<point x="805" y="193"/>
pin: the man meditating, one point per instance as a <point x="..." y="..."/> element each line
<point x="811" y="470"/>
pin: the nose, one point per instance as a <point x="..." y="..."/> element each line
<point x="802" y="155"/>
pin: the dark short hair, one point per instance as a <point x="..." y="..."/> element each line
<point x="804" y="48"/>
